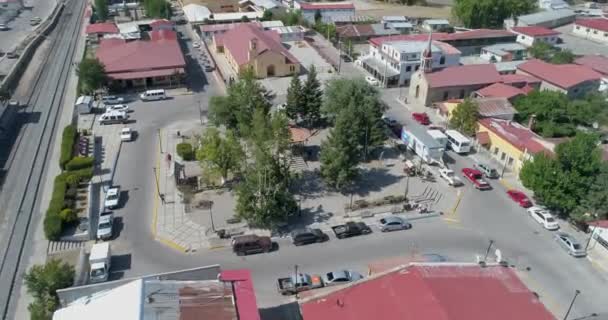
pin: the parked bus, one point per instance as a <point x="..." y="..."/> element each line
<point x="458" y="142"/>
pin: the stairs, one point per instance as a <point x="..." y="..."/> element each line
<point x="298" y="164"/>
<point x="58" y="246"/>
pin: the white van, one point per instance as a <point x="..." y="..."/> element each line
<point x="113" y="117"/>
<point x="151" y="95"/>
<point x="458" y="142"/>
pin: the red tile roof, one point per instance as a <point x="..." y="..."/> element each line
<point x="518" y="79"/>
<point x="162" y="52"/>
<point x="146" y="74"/>
<point x="595" y="62"/>
<point x="500" y="90"/>
<point x="237" y="42"/>
<point x="564" y="76"/>
<point x="161" y="24"/>
<point x="599" y="223"/>
<point x="326" y="5"/>
<point x="431" y="292"/>
<point x="494" y="107"/>
<point x="105" y="27"/>
<point x="534" y="31"/>
<point x="473" y="74"/>
<point x="517" y="135"/>
<point x="597" y="23"/>
<point x="244" y="294"/>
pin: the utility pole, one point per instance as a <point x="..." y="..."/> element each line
<point x="156" y="180"/>
<point x="160" y="141"/>
<point x="339" y="53"/>
<point x="200" y="111"/>
<point x="589" y="240"/>
<point x="407" y="185"/>
<point x="386" y="63"/>
<point x="488" y="250"/>
<point x="295" y="285"/>
<point x="576" y="293"/>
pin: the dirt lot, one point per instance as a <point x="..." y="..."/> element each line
<point x="377" y="9"/>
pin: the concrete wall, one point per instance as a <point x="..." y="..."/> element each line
<point x="529" y="41"/>
<point x="326" y="14"/>
<point x="588" y="33"/>
<point x="269" y="59"/>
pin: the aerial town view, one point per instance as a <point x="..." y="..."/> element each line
<point x="300" y="160"/>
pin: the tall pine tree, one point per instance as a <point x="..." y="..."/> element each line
<point x="294" y="103"/>
<point x="339" y="153"/>
<point x="313" y="97"/>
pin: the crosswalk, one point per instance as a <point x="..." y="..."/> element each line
<point x="59" y="246"/>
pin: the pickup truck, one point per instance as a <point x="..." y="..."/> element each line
<point x="289" y="285"/>
<point x="449" y="176"/>
<point x="476" y="178"/>
<point x="351" y="229"/>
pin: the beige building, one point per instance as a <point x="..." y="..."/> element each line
<point x="248" y="46"/>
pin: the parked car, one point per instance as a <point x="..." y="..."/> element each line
<point x="519" y="197"/>
<point x="476" y="178"/>
<point x="394" y="223"/>
<point x="346" y="58"/>
<point x="308" y="236"/>
<point x="544" y="217"/>
<point x="112" y="198"/>
<point x="373" y="81"/>
<point x="3" y="27"/>
<point x="292" y="285"/>
<point x="449" y="176"/>
<point x="108" y="100"/>
<point x="118" y="107"/>
<point x="104" y="226"/>
<point x="126" y="134"/>
<point x="351" y="229"/>
<point x="196" y="45"/>
<point x="571" y="245"/>
<point x="487" y="171"/>
<point x="208" y="68"/>
<point x="113" y="117"/>
<point x="422" y="118"/>
<point x="12" y="55"/>
<point x="341" y="277"/>
<point x="389" y="121"/>
<point x="251" y="244"/>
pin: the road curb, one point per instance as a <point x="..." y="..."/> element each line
<point x="155" y="206"/>
<point x="505" y="184"/>
<point x="171" y="244"/>
<point x="216" y="247"/>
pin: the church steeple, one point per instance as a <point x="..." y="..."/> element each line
<point x="426" y="59"/>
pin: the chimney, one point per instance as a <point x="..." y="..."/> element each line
<point x="253" y="48"/>
<point x="531" y="121"/>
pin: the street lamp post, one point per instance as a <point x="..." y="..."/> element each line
<point x="295" y="286"/>
<point x="160" y="141"/>
<point x="488" y="250"/>
<point x="589" y="240"/>
<point x="156" y="180"/>
<point x="576" y="293"/>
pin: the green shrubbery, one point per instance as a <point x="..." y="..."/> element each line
<point x="78" y="163"/>
<point x="185" y="151"/>
<point x="67" y="145"/>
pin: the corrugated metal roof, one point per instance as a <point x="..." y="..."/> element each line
<point x="546" y="16"/>
<point x="495" y="106"/>
<point x="564" y="76"/>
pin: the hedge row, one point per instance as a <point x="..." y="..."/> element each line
<point x="79" y="163"/>
<point x="185" y="151"/>
<point x="68" y="139"/>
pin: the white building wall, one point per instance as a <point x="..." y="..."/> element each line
<point x="588" y="33"/>
<point x="529" y="41"/>
<point x="327" y="14"/>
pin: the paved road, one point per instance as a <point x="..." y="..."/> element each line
<point x="20" y="194"/>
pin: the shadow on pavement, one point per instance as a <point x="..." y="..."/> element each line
<point x="120" y="263"/>
<point x="289" y="311"/>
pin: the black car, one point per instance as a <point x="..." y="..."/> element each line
<point x="308" y="236"/>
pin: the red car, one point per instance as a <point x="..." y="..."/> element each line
<point x="520" y="197"/>
<point x="476" y="178"/>
<point x="422" y="118"/>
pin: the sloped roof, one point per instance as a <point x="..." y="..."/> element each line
<point x="534" y="31"/>
<point x="518" y="78"/>
<point x="563" y="75"/>
<point x="597" y="23"/>
<point x="326" y="5"/>
<point x="515" y="134"/>
<point x="104" y="27"/>
<point x="431" y="292"/>
<point x="476" y="74"/>
<point x="500" y="90"/>
<point x="237" y="42"/>
<point x="494" y="106"/>
<point x="596" y="62"/>
<point x="196" y="12"/>
<point x="442" y="36"/>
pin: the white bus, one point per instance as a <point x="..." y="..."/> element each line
<point x="458" y="142"/>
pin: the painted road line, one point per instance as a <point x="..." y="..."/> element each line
<point x="172" y="244"/>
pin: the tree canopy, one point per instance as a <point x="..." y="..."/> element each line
<point x="312" y="98"/>
<point x="293" y="106"/>
<point x="267" y="16"/>
<point x="42" y="282"/>
<point x="339" y="153"/>
<point x="92" y="75"/>
<point x="546" y="52"/>
<point x="464" y="117"/>
<point x="101" y="9"/>
<point x="562" y="57"/>
<point x="220" y="155"/>
<point x="489" y="13"/>
<point x="157" y="8"/>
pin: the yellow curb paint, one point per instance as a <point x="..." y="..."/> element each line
<point x="451" y="220"/>
<point x="155" y="206"/>
<point x="505" y="184"/>
<point x="172" y="244"/>
<point x="460" y="195"/>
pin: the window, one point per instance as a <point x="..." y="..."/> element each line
<point x="605" y="34"/>
<point x="417" y="67"/>
<point x="442" y="60"/>
<point x="461" y="95"/>
<point x="445" y="95"/>
<point x="495" y="150"/>
<point x="522" y="37"/>
<point x="503" y="156"/>
<point x="408" y="68"/>
<point x="587" y="30"/>
<point x="292" y="68"/>
<point x="578" y="27"/>
<point x="594" y="31"/>
<point x="510" y="162"/>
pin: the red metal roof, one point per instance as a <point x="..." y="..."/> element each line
<point x="595" y="62"/>
<point x="534" y="31"/>
<point x="162" y="52"/>
<point x="104" y="27"/>
<point x="161" y="24"/>
<point x="599" y="223"/>
<point x="518" y="79"/>
<point x="244" y="293"/>
<point x="564" y="76"/>
<point x="447" y="37"/>
<point x="145" y="74"/>
<point x="517" y="135"/>
<point x="238" y="39"/>
<point x="500" y="90"/>
<point x="596" y="23"/>
<point x="473" y="74"/>
<point x="326" y="5"/>
<point x="431" y="292"/>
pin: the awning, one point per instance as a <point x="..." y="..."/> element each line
<point x="483" y="138"/>
<point x="145" y="74"/>
<point x="380" y="67"/>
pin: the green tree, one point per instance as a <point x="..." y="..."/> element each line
<point x="541" y="50"/>
<point x="235" y="110"/>
<point x="312" y="98"/>
<point x="594" y="204"/>
<point x="563" y="57"/>
<point x="157" y="8"/>
<point x="92" y="75"/>
<point x="295" y="103"/>
<point x="267" y="16"/>
<point x="220" y="155"/>
<point x="101" y="9"/>
<point x="245" y="19"/>
<point x="339" y="154"/>
<point x="550" y="109"/>
<point x="489" y="13"/>
<point x="318" y="16"/>
<point x="42" y="282"/>
<point x="464" y="117"/>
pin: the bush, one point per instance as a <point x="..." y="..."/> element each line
<point x="185" y="151"/>
<point x="68" y="139"/>
<point x="71" y="193"/>
<point x="85" y="174"/>
<point x="68" y="215"/>
<point x="52" y="226"/>
<point x="78" y="163"/>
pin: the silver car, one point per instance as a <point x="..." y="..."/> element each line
<point x="104" y="228"/>
<point x="341" y="277"/>
<point x="570" y="244"/>
<point x="393" y="223"/>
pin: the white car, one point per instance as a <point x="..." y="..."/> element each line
<point x="341" y="277"/>
<point x="373" y="81"/>
<point x="196" y="45"/>
<point x="118" y="107"/>
<point x="542" y="216"/>
<point x="126" y="134"/>
<point x="104" y="227"/>
<point x="449" y="176"/>
<point x="112" y="198"/>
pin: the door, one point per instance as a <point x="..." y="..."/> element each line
<point x="270" y="71"/>
<point x="417" y="91"/>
